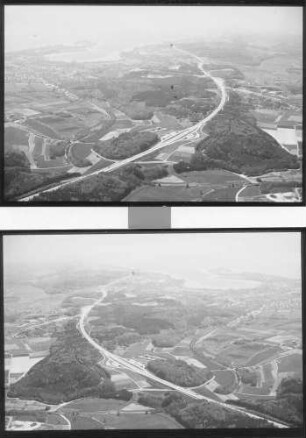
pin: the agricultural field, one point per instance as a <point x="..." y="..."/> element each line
<point x="14" y="136"/>
<point x="291" y="364"/>
<point x="249" y="193"/>
<point x="95" y="404"/>
<point x="43" y="129"/>
<point x="137" y="421"/>
<point x="222" y="195"/>
<point x="167" y="194"/>
<point x="55" y="419"/>
<point x="212" y="177"/>
<point x="246" y="353"/>
<point x="262" y="356"/>
<point x="226" y="380"/>
<point x="83" y="422"/>
<point x="80" y="151"/>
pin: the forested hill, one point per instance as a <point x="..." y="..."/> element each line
<point x="70" y="371"/>
<point x="237" y="144"/>
<point x="244" y="147"/>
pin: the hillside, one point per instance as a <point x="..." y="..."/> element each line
<point x="178" y="372"/>
<point x="70" y="371"/>
<point x="126" y="145"/>
<point x="287" y="406"/>
<point x="245" y="147"/>
<point x="236" y="144"/>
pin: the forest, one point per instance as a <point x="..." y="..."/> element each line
<point x="236" y="144"/>
<point x="70" y="371"/>
<point x="287" y="406"/>
<point x="178" y="372"/>
<point x="126" y="145"/>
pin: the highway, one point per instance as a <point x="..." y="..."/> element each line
<point x="173" y="138"/>
<point x="139" y="370"/>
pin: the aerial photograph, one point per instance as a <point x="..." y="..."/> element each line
<point x="126" y="331"/>
<point x="153" y="104"/>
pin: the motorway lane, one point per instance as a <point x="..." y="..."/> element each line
<point x="139" y="370"/>
<point x="195" y="129"/>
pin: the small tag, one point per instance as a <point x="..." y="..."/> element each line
<point x="149" y="217"/>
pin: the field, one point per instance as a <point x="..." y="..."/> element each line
<point x="42" y="129"/>
<point x="137" y="421"/>
<point x="227" y="194"/>
<point x="14" y="136"/>
<point x="225" y="378"/>
<point x="38" y="148"/>
<point x="136" y="349"/>
<point x="167" y="194"/>
<point x="263" y="355"/>
<point x="250" y="192"/>
<point x="212" y="177"/>
<point x="95" y="404"/>
<point x="80" y="150"/>
<point x="292" y="363"/>
<point x="56" y="162"/>
<point x="241" y="354"/>
<point x="85" y="423"/>
<point x="56" y="419"/>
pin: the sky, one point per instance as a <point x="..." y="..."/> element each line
<point x="269" y="253"/>
<point x="29" y="26"/>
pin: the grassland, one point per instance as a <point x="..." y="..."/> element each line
<point x="264" y="355"/>
<point x="138" y="421"/>
<point x="56" y="419"/>
<point x="212" y="177"/>
<point x="42" y="128"/>
<point x="14" y="136"/>
<point x="82" y="422"/>
<point x="250" y="192"/>
<point x="80" y="150"/>
<point x="291" y="364"/>
<point x="166" y="194"/>
<point x="95" y="404"/>
<point x="226" y="379"/>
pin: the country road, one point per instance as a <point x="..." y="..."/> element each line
<point x="139" y="370"/>
<point x="173" y="138"/>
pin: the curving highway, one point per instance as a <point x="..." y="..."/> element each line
<point x="173" y="138"/>
<point x="139" y="370"/>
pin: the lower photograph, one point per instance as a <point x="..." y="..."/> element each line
<point x="169" y="329"/>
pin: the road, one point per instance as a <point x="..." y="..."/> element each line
<point x="173" y="138"/>
<point x="139" y="370"/>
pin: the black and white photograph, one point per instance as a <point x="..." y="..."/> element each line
<point x="153" y="104"/>
<point x="153" y="330"/>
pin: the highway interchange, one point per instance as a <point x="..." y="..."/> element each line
<point x="185" y="134"/>
<point x="140" y="370"/>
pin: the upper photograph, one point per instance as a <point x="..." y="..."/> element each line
<point x="137" y="105"/>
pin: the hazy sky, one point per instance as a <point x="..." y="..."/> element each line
<point x="271" y="253"/>
<point x="32" y="26"/>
